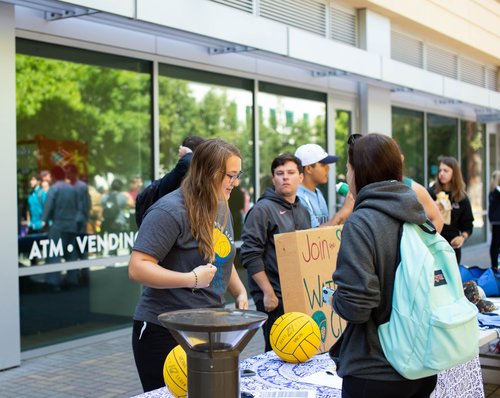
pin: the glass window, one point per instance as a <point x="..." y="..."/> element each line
<point x="105" y="302"/>
<point x="493" y="152"/>
<point x="83" y="143"/>
<point x="288" y="118"/>
<point x="474" y="172"/>
<point x="408" y="131"/>
<point x="442" y="140"/>
<point x="342" y="132"/>
<point x="208" y="105"/>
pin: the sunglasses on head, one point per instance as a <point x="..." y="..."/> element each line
<point x="353" y="137"/>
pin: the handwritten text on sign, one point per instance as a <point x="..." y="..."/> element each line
<point x="306" y="262"/>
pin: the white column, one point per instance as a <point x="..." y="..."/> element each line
<point x="374" y="33"/>
<point x="375" y="107"/>
<point x="330" y="134"/>
<point x="10" y="346"/>
<point x="375" y="102"/>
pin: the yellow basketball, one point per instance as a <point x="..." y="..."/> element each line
<point x="295" y="337"/>
<point x="175" y="372"/>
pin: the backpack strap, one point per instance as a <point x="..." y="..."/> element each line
<point x="382" y="314"/>
<point x="428" y="227"/>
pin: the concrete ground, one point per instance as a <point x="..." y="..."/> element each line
<point x="105" y="369"/>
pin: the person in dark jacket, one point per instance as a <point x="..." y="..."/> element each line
<point x="60" y="216"/>
<point x="169" y="182"/>
<point x="172" y="180"/>
<point x="279" y="210"/>
<point x="450" y="181"/>
<point x="494" y="216"/>
<point x="366" y="268"/>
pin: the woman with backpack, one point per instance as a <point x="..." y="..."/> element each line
<point x="366" y="267"/>
<point x="451" y="186"/>
<point x="184" y="254"/>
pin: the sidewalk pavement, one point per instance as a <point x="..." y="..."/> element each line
<point x="103" y="369"/>
<point x="106" y="369"/>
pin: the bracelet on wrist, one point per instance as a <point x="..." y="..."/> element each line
<point x="195" y="280"/>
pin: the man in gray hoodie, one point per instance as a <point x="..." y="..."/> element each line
<point x="277" y="211"/>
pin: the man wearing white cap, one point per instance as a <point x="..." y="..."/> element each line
<point x="315" y="161"/>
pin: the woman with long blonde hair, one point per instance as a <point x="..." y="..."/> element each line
<point x="451" y="183"/>
<point x="184" y="254"/>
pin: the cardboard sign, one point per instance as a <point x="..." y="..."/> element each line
<point x="306" y="261"/>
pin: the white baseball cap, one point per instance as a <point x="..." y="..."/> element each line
<point x="313" y="153"/>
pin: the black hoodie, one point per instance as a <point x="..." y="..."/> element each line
<point x="366" y="267"/>
<point x="271" y="215"/>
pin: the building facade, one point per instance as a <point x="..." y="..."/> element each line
<point x="97" y="96"/>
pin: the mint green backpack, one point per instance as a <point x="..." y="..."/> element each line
<point x="432" y="326"/>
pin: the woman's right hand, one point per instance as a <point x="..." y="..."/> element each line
<point x="203" y="275"/>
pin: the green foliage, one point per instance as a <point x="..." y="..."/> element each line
<point x="442" y="140"/>
<point x="184" y="113"/>
<point x="342" y="131"/>
<point x="106" y="110"/>
<point x="408" y="131"/>
<point x="39" y="80"/>
<point x="280" y="134"/>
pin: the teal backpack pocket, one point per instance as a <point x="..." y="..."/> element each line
<point x="453" y="335"/>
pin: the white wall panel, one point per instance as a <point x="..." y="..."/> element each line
<point x="329" y="54"/>
<point x="80" y="29"/>
<point x="465" y="92"/>
<point x="125" y="8"/>
<point x="494" y="100"/>
<point x="10" y="345"/>
<point x="199" y="54"/>
<point x="376" y="111"/>
<point x="216" y="21"/>
<point x="409" y="76"/>
<point x="375" y="33"/>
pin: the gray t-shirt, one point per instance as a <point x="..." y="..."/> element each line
<point x="165" y="234"/>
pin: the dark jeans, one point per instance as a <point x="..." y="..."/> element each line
<point x="494" y="246"/>
<point x="354" y="387"/>
<point x="150" y="350"/>
<point x="272" y="316"/>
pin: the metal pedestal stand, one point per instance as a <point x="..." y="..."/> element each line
<point x="213" y="340"/>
